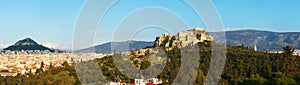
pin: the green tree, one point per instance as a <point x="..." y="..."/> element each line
<point x="288" y="50"/>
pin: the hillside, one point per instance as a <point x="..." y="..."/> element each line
<point x="27" y="44"/>
<point x="265" y="40"/>
<point x="243" y="66"/>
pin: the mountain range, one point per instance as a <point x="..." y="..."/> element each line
<point x="117" y="46"/>
<point x="264" y="40"/>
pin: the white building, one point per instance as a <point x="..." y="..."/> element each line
<point x="8" y="74"/>
<point x="139" y="82"/>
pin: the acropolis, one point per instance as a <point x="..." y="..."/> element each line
<point x="183" y="39"/>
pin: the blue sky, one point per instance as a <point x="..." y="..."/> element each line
<point x="51" y="22"/>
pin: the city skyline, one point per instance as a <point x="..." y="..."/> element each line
<point x="51" y="23"/>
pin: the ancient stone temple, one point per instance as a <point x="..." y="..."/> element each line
<point x="183" y="39"/>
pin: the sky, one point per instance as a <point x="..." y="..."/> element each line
<point x="52" y="22"/>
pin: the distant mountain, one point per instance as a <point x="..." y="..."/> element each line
<point x="27" y="44"/>
<point x="265" y="40"/>
<point x="117" y="46"/>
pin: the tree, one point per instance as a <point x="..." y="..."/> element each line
<point x="42" y="64"/>
<point x="255" y="80"/>
<point x="51" y="65"/>
<point x="288" y="50"/>
<point x="4" y="71"/>
<point x="65" y="64"/>
<point x="145" y="64"/>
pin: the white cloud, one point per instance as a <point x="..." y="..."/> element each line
<point x="3" y="46"/>
<point x="57" y="46"/>
<point x="231" y="29"/>
<point x="238" y="28"/>
<point x="51" y="45"/>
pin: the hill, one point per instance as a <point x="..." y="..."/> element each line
<point x="27" y="44"/>
<point x="243" y="66"/>
<point x="265" y="40"/>
<point x="119" y="46"/>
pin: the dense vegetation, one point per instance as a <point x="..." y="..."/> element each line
<point x="243" y="66"/>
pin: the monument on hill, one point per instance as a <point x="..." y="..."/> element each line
<point x="183" y="39"/>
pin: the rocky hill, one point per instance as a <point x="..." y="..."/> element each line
<point x="27" y="44"/>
